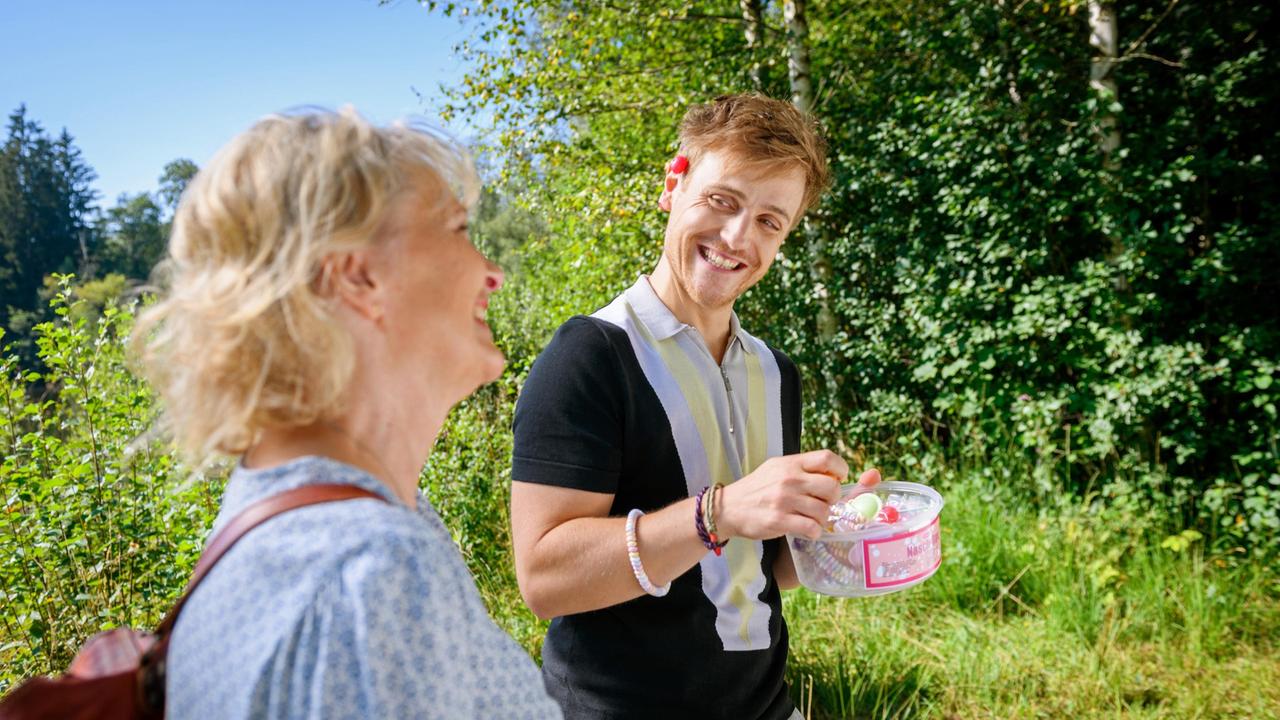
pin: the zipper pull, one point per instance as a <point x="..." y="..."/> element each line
<point x="729" y="391"/>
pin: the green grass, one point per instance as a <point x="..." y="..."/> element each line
<point x="1061" y="613"/>
<point x="1055" y="625"/>
<point x="888" y="658"/>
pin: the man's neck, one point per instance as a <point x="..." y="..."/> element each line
<point x="712" y="323"/>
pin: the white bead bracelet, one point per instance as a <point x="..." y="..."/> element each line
<point x="633" y="552"/>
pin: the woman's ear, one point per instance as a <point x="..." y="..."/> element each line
<point x="348" y="278"/>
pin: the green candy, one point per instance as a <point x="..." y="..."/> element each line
<point x="866" y="505"/>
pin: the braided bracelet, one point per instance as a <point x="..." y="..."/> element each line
<point x="704" y="520"/>
<point x="712" y="502"/>
<point x="633" y="552"/>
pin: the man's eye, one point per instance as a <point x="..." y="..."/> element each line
<point x="719" y="201"/>
<point x="771" y="224"/>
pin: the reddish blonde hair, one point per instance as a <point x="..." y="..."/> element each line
<point x="757" y="129"/>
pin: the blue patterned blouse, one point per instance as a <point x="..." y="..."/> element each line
<point x="352" y="609"/>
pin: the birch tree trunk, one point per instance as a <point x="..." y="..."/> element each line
<point x="798" y="54"/>
<point x="1103" y="36"/>
<point x="753" y="19"/>
<point x="802" y="97"/>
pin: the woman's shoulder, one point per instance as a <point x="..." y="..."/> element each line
<point x="359" y="606"/>
<point x="404" y="599"/>
<point x="378" y="536"/>
<point x="291" y="556"/>
<point x="327" y="525"/>
<point x="403" y="567"/>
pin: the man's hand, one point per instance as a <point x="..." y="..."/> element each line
<point x="791" y="494"/>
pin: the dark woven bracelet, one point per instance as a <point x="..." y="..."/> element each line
<point x="701" y="527"/>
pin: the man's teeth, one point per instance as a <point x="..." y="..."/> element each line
<point x="719" y="260"/>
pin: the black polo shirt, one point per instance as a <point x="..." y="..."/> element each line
<point x="590" y="418"/>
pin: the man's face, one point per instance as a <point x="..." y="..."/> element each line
<point x="727" y="222"/>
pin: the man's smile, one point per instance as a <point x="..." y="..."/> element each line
<point x="718" y="261"/>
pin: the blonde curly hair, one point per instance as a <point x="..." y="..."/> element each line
<point x="242" y="337"/>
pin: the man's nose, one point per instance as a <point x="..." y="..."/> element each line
<point x="735" y="231"/>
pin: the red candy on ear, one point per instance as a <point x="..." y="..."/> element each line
<point x="680" y="164"/>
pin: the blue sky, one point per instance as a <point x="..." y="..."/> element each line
<point x="139" y="83"/>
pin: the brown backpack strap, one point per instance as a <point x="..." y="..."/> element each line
<point x="250" y="518"/>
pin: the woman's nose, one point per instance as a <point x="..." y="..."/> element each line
<point x="494" y="276"/>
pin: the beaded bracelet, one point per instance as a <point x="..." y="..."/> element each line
<point x="633" y="552"/>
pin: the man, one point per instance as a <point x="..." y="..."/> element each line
<point x="642" y="407"/>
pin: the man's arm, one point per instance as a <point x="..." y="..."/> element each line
<point x="784" y="569"/>
<point x="571" y="557"/>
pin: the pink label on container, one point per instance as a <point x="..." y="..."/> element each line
<point x="900" y="559"/>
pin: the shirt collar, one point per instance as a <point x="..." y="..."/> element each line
<point x="246" y="486"/>
<point x="662" y="323"/>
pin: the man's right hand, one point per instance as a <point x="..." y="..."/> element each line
<point x="791" y="494"/>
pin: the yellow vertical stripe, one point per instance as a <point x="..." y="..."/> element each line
<point x="699" y="398"/>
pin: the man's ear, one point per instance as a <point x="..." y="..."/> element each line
<point x="664" y="200"/>
<point x="347" y="278"/>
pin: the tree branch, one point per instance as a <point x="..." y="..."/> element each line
<point x="1148" y="56"/>
<point x="687" y="16"/>
<point x="1143" y="37"/>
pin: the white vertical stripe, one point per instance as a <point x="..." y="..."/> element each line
<point x="716" y="580"/>
<point x="693" y="458"/>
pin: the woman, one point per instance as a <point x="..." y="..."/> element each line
<point x="325" y="309"/>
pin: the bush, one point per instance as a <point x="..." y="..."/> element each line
<point x="100" y="525"/>
<point x="988" y="268"/>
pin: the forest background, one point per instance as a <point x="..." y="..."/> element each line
<point x="1044" y="282"/>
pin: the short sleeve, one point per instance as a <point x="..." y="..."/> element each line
<point x="570" y="416"/>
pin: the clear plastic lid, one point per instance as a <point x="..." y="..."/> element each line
<point x="916" y="506"/>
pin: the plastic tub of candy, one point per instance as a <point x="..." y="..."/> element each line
<point x="879" y="540"/>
